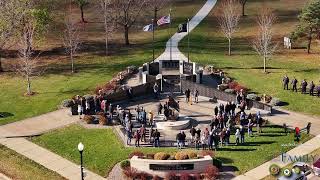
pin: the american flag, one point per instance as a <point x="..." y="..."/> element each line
<point x="164" y="20"/>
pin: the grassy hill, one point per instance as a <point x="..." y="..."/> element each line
<point x="208" y="46"/>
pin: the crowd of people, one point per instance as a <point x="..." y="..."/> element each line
<point x="221" y="127"/>
<point x="313" y="89"/>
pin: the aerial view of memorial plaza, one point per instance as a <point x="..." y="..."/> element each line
<point x="160" y="89"/>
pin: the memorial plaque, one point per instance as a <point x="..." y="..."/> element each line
<point x="187" y="68"/>
<point x="166" y="167"/>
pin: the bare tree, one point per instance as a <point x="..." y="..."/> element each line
<point x="157" y="5"/>
<point x="27" y="63"/>
<point x="71" y="38"/>
<point x="243" y="4"/>
<point x="109" y="24"/>
<point x="229" y="19"/>
<point x="263" y="41"/>
<point x="10" y="17"/>
<point x="126" y="12"/>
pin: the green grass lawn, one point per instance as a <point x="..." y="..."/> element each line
<point x="17" y="166"/>
<point x="57" y="84"/>
<point x="208" y="46"/>
<point x="103" y="149"/>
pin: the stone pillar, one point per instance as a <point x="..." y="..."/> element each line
<point x="181" y="66"/>
<point x="160" y="66"/>
<point x="144" y="77"/>
<point x="199" y="77"/>
<point x="140" y="74"/>
<point x="159" y="77"/>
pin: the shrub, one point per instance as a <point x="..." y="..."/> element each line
<point x="181" y="155"/>
<point x="211" y="172"/>
<point x="102" y="120"/>
<point x="142" y="176"/>
<point x="125" y="164"/>
<point x="136" y="153"/>
<point x="185" y="176"/>
<point x="196" y="176"/>
<point x="192" y="155"/>
<point x="217" y="163"/>
<point x="150" y="156"/>
<point x="206" y="153"/>
<point x="161" y="156"/>
<point x="130" y="172"/>
<point x="155" y="177"/>
<point x="233" y="85"/>
<point x="88" y="119"/>
<point x="171" y="176"/>
<point x="237" y="87"/>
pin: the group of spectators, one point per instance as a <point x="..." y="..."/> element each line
<point x="304" y="86"/>
<point x="189" y="98"/>
<point x="91" y="105"/>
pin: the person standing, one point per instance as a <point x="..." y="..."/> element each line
<point x="87" y="107"/>
<point x="259" y="122"/>
<point x="204" y="141"/>
<point x="183" y="139"/>
<point x="137" y="138"/>
<point x="285" y="81"/>
<point x="294" y="83"/>
<point x="143" y="133"/>
<point x="318" y="91"/>
<point x="80" y="110"/>
<point x="250" y="128"/>
<point x="216" y="110"/>
<point x="187" y="93"/>
<point x="156" y="138"/>
<point x="129" y="137"/>
<point x="242" y="133"/>
<point x="179" y="140"/>
<point x="193" y="134"/>
<point x="311" y="88"/>
<point x="196" y="95"/>
<point x="155" y="90"/>
<point x="227" y="136"/>
<point x="160" y="107"/>
<point x="150" y="117"/>
<point x="238" y="136"/>
<point x="304" y="85"/>
<point x="198" y="136"/>
<point x="210" y="141"/>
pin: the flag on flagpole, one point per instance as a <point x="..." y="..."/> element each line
<point x="164" y="20"/>
<point x="183" y="28"/>
<point x="148" y="28"/>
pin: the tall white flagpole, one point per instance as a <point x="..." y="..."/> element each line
<point x="170" y="35"/>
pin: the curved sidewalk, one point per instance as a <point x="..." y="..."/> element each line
<point x="177" y="37"/>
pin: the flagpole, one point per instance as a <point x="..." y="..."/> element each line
<point x="153" y="27"/>
<point x="188" y="42"/>
<point x="170" y="35"/>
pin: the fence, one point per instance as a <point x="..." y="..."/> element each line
<point x="212" y="92"/>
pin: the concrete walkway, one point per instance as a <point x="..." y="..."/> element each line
<point x="39" y="124"/>
<point x="47" y="159"/>
<point x="173" y="42"/>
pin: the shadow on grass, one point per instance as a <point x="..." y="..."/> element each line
<point x="5" y="114"/>
<point x="236" y="150"/>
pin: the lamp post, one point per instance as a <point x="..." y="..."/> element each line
<point x="80" y="148"/>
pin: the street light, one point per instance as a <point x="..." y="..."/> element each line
<point x="80" y="148"/>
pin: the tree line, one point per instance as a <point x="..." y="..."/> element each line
<point x="24" y="22"/>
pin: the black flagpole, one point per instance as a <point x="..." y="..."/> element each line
<point x="153" y="27"/>
<point x="188" y="42"/>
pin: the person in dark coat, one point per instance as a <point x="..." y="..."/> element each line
<point x="304" y="85"/>
<point x="311" y="88"/>
<point x="285" y="81"/>
<point x="160" y="107"/>
<point x="137" y="137"/>
<point x="216" y="110"/>
<point x="156" y="138"/>
<point x="210" y="141"/>
<point x="193" y="134"/>
<point x="294" y="83"/>
<point x="187" y="93"/>
<point x="242" y="133"/>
